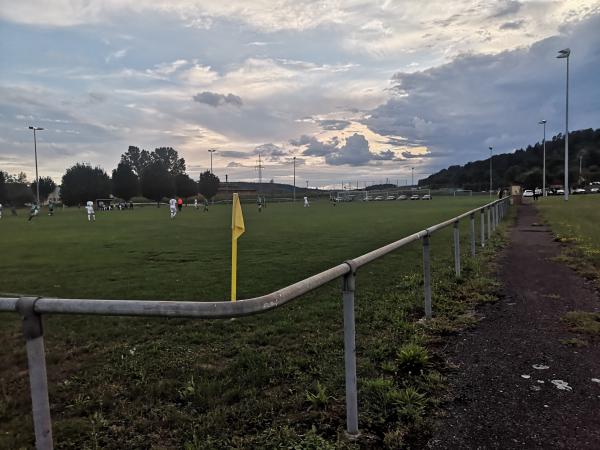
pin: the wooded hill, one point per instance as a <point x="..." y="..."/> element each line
<point x="524" y="166"/>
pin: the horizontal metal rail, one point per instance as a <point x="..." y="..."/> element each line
<point x="33" y="308"/>
<point x="222" y="309"/>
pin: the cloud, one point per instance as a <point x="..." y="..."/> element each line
<point x="234" y="154"/>
<point x="506" y="8"/>
<point x="512" y="25"/>
<point x="460" y="108"/>
<point x="213" y="99"/>
<point x="330" y="124"/>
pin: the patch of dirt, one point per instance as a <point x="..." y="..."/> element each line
<point x="500" y="400"/>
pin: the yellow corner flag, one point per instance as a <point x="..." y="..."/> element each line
<point x="237" y="229"/>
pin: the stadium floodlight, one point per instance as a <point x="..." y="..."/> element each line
<point x="543" y="122"/>
<point x="491" y="148"/>
<point x="37" y="178"/>
<point x="565" y="54"/>
<point x="211" y="151"/>
<point x="294" y="198"/>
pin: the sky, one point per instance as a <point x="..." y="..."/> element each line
<point x="356" y="91"/>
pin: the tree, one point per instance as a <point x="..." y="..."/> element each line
<point x="2" y="186"/>
<point x="185" y="186"/>
<point x="136" y="159"/>
<point x="208" y="184"/>
<point x="83" y="182"/>
<point x="157" y="182"/>
<point x="170" y="159"/>
<point x="125" y="182"/>
<point x="47" y="186"/>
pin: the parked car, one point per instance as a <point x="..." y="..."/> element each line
<point x="594" y="190"/>
<point x="560" y="192"/>
<point x="402" y="197"/>
<point x="414" y="197"/>
<point x="527" y="193"/>
<point x="379" y="197"/>
<point x="579" y="191"/>
<point x="537" y="191"/>
<point x="426" y="197"/>
<point x="390" y="197"/>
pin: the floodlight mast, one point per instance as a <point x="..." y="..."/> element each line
<point x="543" y="122"/>
<point x="565" y="54"/>
<point x="491" y="148"/>
<point x="211" y="151"/>
<point x="37" y="178"/>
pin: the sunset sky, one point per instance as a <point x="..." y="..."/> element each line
<point x="355" y="90"/>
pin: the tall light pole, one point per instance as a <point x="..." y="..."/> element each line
<point x="211" y="151"/>
<point x="294" y="178"/>
<point x="491" y="185"/>
<point x="580" y="159"/>
<point x="412" y="176"/>
<point x="37" y="179"/>
<point x="543" y="122"/>
<point x="565" y="54"/>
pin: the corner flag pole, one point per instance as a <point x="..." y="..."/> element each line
<point x="237" y="229"/>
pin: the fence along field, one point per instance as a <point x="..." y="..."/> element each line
<point x="56" y="306"/>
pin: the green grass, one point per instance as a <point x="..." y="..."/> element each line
<point x="576" y="222"/>
<point x="269" y="381"/>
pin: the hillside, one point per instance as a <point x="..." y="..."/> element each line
<point x="524" y="166"/>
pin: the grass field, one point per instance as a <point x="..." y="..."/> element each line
<point x="577" y="222"/>
<point x="269" y="381"/>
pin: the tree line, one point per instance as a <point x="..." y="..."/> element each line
<point x="154" y="175"/>
<point x="524" y="166"/>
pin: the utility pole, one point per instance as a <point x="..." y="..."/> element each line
<point x="543" y="122"/>
<point x="565" y="54"/>
<point x="294" y="198"/>
<point x="412" y="177"/>
<point x="491" y="172"/>
<point x="580" y="159"/>
<point x="37" y="178"/>
<point x="260" y="168"/>
<point x="306" y="185"/>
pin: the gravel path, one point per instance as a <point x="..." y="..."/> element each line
<point x="516" y="385"/>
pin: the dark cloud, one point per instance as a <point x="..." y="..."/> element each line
<point x="512" y="25"/>
<point x="329" y="124"/>
<point x="214" y="99"/>
<point x="409" y="155"/>
<point x="270" y="151"/>
<point x="234" y="164"/>
<point x="459" y="109"/>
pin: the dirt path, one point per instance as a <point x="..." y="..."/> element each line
<point x="501" y="400"/>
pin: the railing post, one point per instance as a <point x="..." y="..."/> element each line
<point x="482" y="220"/>
<point x="456" y="249"/>
<point x="489" y="222"/>
<point x="349" y="286"/>
<point x="427" y="277"/>
<point x="472" y="233"/>
<point x="36" y="362"/>
<point x="496" y="215"/>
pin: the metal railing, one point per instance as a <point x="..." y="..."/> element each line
<point x="33" y="308"/>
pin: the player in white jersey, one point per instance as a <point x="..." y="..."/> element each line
<point x="306" y="204"/>
<point x="89" y="206"/>
<point x="173" y="207"/>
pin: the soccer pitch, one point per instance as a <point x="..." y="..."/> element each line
<point x="138" y="382"/>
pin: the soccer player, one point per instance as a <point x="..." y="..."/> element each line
<point x="196" y="203"/>
<point x="89" y="206"/>
<point x="0" y="210"/>
<point x="205" y="204"/>
<point x="306" y="204"/>
<point x="50" y="208"/>
<point x="173" y="207"/>
<point x="34" y="211"/>
<point x="260" y="204"/>
<point x="179" y="204"/>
